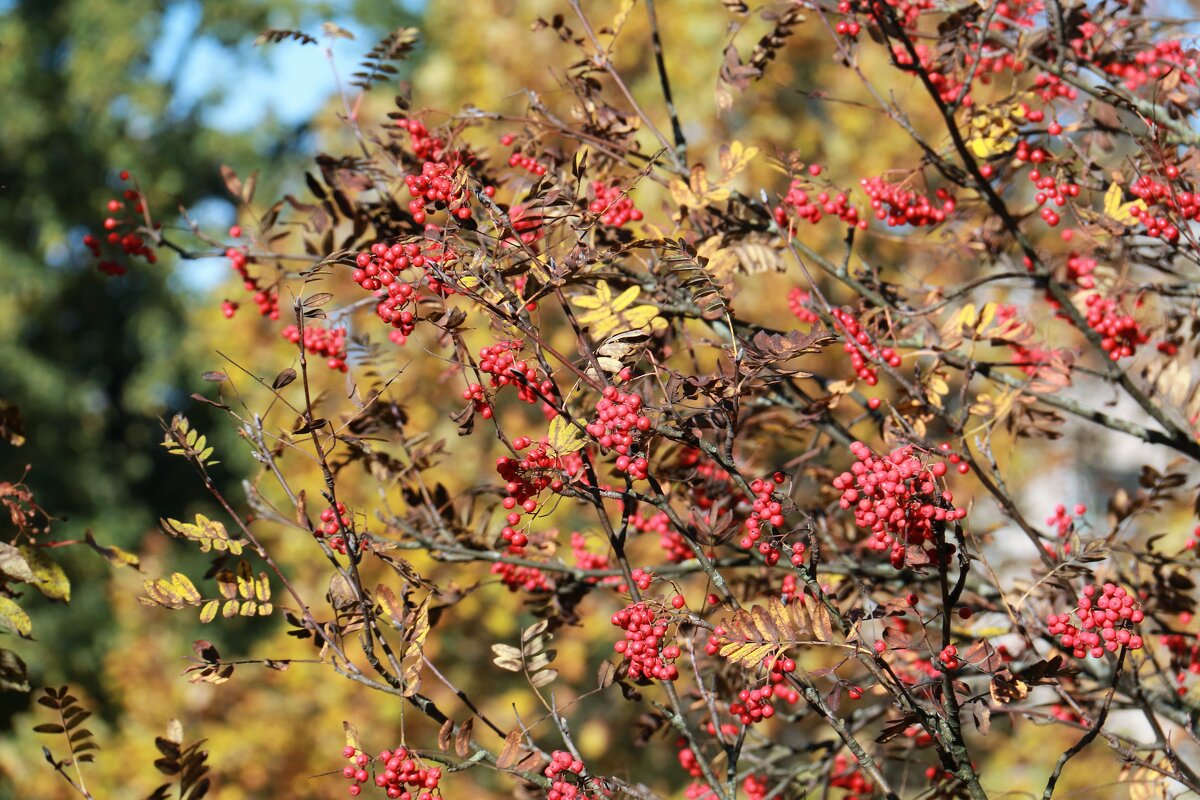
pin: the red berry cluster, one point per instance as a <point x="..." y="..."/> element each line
<point x="613" y="205"/>
<point x="908" y="11"/>
<point x="333" y="522"/>
<point x="847" y="27"/>
<point x="896" y="497"/>
<point x="861" y="348"/>
<point x="1181" y="203"/>
<point x="499" y="361"/>
<point x="380" y="268"/>
<point x="799" y="301"/>
<point x="527" y="223"/>
<point x="518" y="576"/>
<point x="267" y="300"/>
<point x="643" y="646"/>
<point x="402" y="776"/>
<point x="766" y="510"/>
<point x="1079" y="270"/>
<point x="567" y="781"/>
<point x="753" y="705"/>
<point x="755" y="787"/>
<point x="424" y="145"/>
<point x="525" y="480"/>
<point x="1051" y="87"/>
<point x="527" y="163"/>
<point x="821" y="204"/>
<point x="1026" y="154"/>
<point x="615" y="427"/>
<point x="126" y="215"/>
<point x="1185" y="653"/>
<point x="1064" y="522"/>
<point x="435" y="187"/>
<point x="1149" y="66"/>
<point x="642" y="578"/>
<point x="1106" y="615"/>
<point x="1050" y="191"/>
<point x="672" y="542"/>
<point x="586" y="559"/>
<point x="1120" y="333"/>
<point x="949" y="657"/>
<point x="329" y="343"/>
<point x="849" y="777"/>
<point x="899" y="206"/>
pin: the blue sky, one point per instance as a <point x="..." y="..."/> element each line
<point x="287" y="80"/>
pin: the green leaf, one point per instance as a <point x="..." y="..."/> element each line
<point x="14" y="619"/>
<point x="48" y="576"/>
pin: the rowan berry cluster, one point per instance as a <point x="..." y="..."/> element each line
<point x="1051" y="87"/>
<point x="755" y="787"/>
<point x="1106" y="615"/>
<point x="861" y="349"/>
<point x="642" y="578"/>
<point x="567" y="781"/>
<point x="329" y="343"/>
<point x="900" y="206"/>
<point x="941" y="76"/>
<point x="267" y="300"/>
<point x="519" y="577"/>
<point x="380" y="268"/>
<point x="333" y="522"/>
<point x="753" y="705"/>
<point x="818" y="205"/>
<point x="847" y="27"/>
<point x="1120" y="333"/>
<point x="435" y="187"/>
<point x="500" y="362"/>
<point x="614" y="205"/>
<point x="1153" y="64"/>
<point x="799" y="303"/>
<point x="616" y="425"/>
<point x="1050" y="191"/>
<point x="424" y="146"/>
<point x="850" y="777"/>
<point x="766" y="509"/>
<point x="1064" y="522"/>
<point x="402" y="776"/>
<point x="586" y="559"/>
<point x="1079" y="271"/>
<point x="897" y="499"/>
<point x="949" y="657"/>
<point x="527" y="163"/>
<point x="644" y="647"/>
<point x="122" y="233"/>
<point x="1183" y="204"/>
<point x="527" y="224"/>
<point x="525" y="480"/>
<point x="1185" y="653"/>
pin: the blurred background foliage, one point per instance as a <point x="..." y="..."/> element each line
<point x="172" y="90"/>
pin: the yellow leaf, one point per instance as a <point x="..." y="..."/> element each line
<point x="209" y="612"/>
<point x="184" y="587"/>
<point x="13" y="618"/>
<point x="734" y="159"/>
<point x="1121" y="212"/>
<point x="564" y="437"/>
<point x="48" y="576"/>
<point x="626" y="298"/>
<point x="641" y="316"/>
<point x="621" y="17"/>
